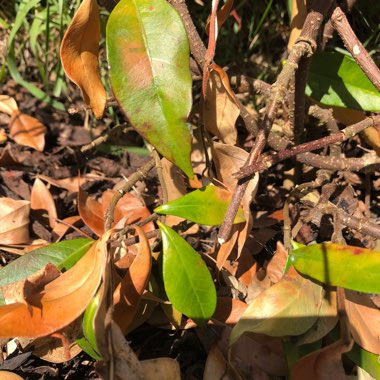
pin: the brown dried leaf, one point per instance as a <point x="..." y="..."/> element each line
<point x="91" y="211"/>
<point x="41" y="203"/>
<point x="60" y="302"/>
<point x="79" y="55"/>
<point x="299" y="13"/>
<point x="324" y="364"/>
<point x="71" y="184"/>
<point x="61" y="229"/>
<point x="229" y="310"/>
<point x="220" y="110"/>
<point x="372" y="137"/>
<point x="275" y="268"/>
<point x="8" y="105"/>
<point x="217" y="367"/>
<point x="6" y="375"/>
<point x="27" y="131"/>
<point x="14" y="218"/>
<point x="128" y="293"/>
<point x="222" y="15"/>
<point x="364" y="319"/>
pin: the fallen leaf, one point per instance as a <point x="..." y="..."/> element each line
<point x="220" y="111"/>
<point x="222" y="15"/>
<point x="128" y="293"/>
<point x="61" y="301"/>
<point x="8" y="105"/>
<point x="6" y="375"/>
<point x="161" y="369"/>
<point x="229" y="310"/>
<point x="217" y="367"/>
<point x="324" y="364"/>
<point x="41" y="203"/>
<point x="79" y="55"/>
<point x="14" y="218"/>
<point x="72" y="183"/>
<point x="364" y="319"/>
<point x="27" y="131"/>
<point x="275" y="310"/>
<point x="61" y="229"/>
<point x="275" y="268"/>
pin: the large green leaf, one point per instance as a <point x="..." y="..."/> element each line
<point x="204" y="206"/>
<point x="188" y="282"/>
<point x="335" y="79"/>
<point x="63" y="255"/>
<point x="339" y="265"/>
<point x="148" y="52"/>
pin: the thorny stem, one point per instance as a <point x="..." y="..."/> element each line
<point x="354" y="46"/>
<point x="339" y="137"/>
<point x="135" y="177"/>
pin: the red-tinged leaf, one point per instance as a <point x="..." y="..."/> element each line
<point x="229" y="310"/>
<point x="148" y="52"/>
<point x="128" y="293"/>
<point x="8" y="104"/>
<point x="27" y="131"/>
<point x="14" y="221"/>
<point x="364" y="319"/>
<point x="60" y="302"/>
<point x="220" y="110"/>
<point x="324" y="364"/>
<point x="42" y="203"/>
<point x="79" y="55"/>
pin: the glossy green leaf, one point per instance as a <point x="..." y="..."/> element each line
<point x="148" y="53"/>
<point x="204" y="206"/>
<point x="340" y="265"/>
<point x="188" y="282"/>
<point x="87" y="340"/>
<point x="63" y="255"/>
<point x="335" y="79"/>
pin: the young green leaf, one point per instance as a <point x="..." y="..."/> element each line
<point x="204" y="206"/>
<point x="335" y="79"/>
<point x="340" y="265"/>
<point x="188" y="283"/>
<point x="63" y="255"/>
<point x="148" y="52"/>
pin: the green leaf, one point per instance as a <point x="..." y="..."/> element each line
<point x="335" y="79"/>
<point x="148" y="53"/>
<point x="63" y="255"/>
<point x="87" y="341"/>
<point x="340" y="265"/>
<point x="204" y="206"/>
<point x="188" y="282"/>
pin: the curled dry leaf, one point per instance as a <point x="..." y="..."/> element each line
<point x="364" y="319"/>
<point x="59" y="303"/>
<point x="275" y="268"/>
<point x="42" y="203"/>
<point x="219" y="109"/>
<point x="222" y="15"/>
<point x="79" y="55"/>
<point x="228" y="160"/>
<point x="8" y="104"/>
<point x="27" y="131"/>
<point x="324" y="364"/>
<point x="128" y="293"/>
<point x="14" y="218"/>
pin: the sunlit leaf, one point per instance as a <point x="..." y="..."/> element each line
<point x="79" y="55"/>
<point x="27" y="131"/>
<point x="148" y="53"/>
<point x="335" y="79"/>
<point x="289" y="307"/>
<point x="14" y="221"/>
<point x="204" y="206"/>
<point x="188" y="282"/>
<point x="63" y="255"/>
<point x="60" y="302"/>
<point x="340" y="265"/>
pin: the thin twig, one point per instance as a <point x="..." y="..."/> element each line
<point x="132" y="179"/>
<point x="355" y="47"/>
